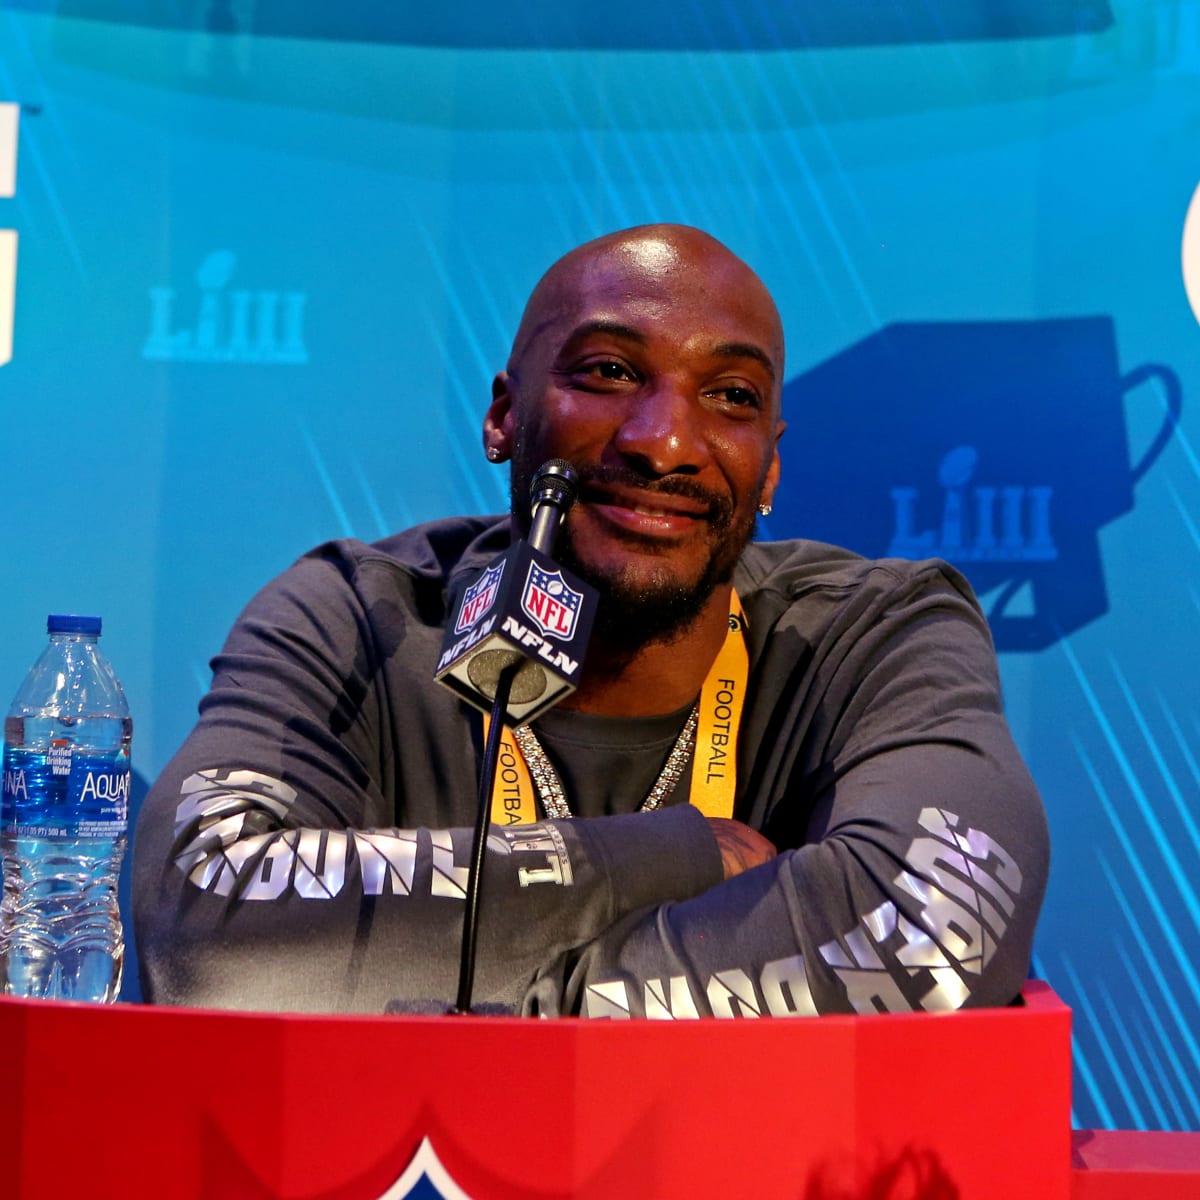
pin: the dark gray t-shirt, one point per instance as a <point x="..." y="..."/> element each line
<point x="609" y="764"/>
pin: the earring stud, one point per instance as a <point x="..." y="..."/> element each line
<point x="493" y="454"/>
<point x="764" y="510"/>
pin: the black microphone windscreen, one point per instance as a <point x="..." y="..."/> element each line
<point x="556" y="482"/>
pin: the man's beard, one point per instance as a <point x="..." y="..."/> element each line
<point x="637" y="608"/>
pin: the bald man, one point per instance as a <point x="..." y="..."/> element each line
<point x="784" y="785"/>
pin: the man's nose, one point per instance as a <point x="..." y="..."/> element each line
<point x="661" y="431"/>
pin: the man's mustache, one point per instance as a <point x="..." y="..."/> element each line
<point x="720" y="507"/>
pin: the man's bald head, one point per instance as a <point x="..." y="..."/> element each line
<point x="643" y="255"/>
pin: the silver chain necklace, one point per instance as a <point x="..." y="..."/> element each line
<point x="550" y="789"/>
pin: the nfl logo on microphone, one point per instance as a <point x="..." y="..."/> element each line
<point x="479" y="597"/>
<point x="550" y="603"/>
<point x="523" y="608"/>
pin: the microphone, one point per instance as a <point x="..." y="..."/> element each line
<point x="551" y="495"/>
<point x="515" y="648"/>
<point x="524" y="609"/>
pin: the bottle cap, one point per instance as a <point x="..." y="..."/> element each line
<point x="68" y="623"/>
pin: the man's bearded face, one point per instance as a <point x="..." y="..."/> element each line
<point x="652" y="363"/>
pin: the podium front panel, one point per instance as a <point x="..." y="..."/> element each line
<point x="131" y="1101"/>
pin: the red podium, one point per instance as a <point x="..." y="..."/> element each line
<point x="246" y="1106"/>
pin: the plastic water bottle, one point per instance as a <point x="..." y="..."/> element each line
<point x="63" y="821"/>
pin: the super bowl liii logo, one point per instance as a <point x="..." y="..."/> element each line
<point x="235" y="325"/>
<point x="983" y="524"/>
<point x="9" y="120"/>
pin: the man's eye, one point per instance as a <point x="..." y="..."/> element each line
<point x="609" y="370"/>
<point x="737" y="397"/>
<point x="604" y="370"/>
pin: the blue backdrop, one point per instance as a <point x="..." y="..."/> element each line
<point x="261" y="259"/>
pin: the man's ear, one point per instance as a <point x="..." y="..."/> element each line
<point x="771" y="482"/>
<point x="498" y="421"/>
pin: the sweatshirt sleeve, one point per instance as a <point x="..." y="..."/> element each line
<point x="913" y="844"/>
<point x="306" y="848"/>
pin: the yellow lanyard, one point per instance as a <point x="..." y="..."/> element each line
<point x="714" y="763"/>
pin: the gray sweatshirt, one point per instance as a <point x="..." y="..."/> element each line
<point x="306" y="847"/>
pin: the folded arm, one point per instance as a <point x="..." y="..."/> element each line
<point x="306" y="849"/>
<point x="913" y="845"/>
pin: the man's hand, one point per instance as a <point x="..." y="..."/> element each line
<point x="741" y="847"/>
